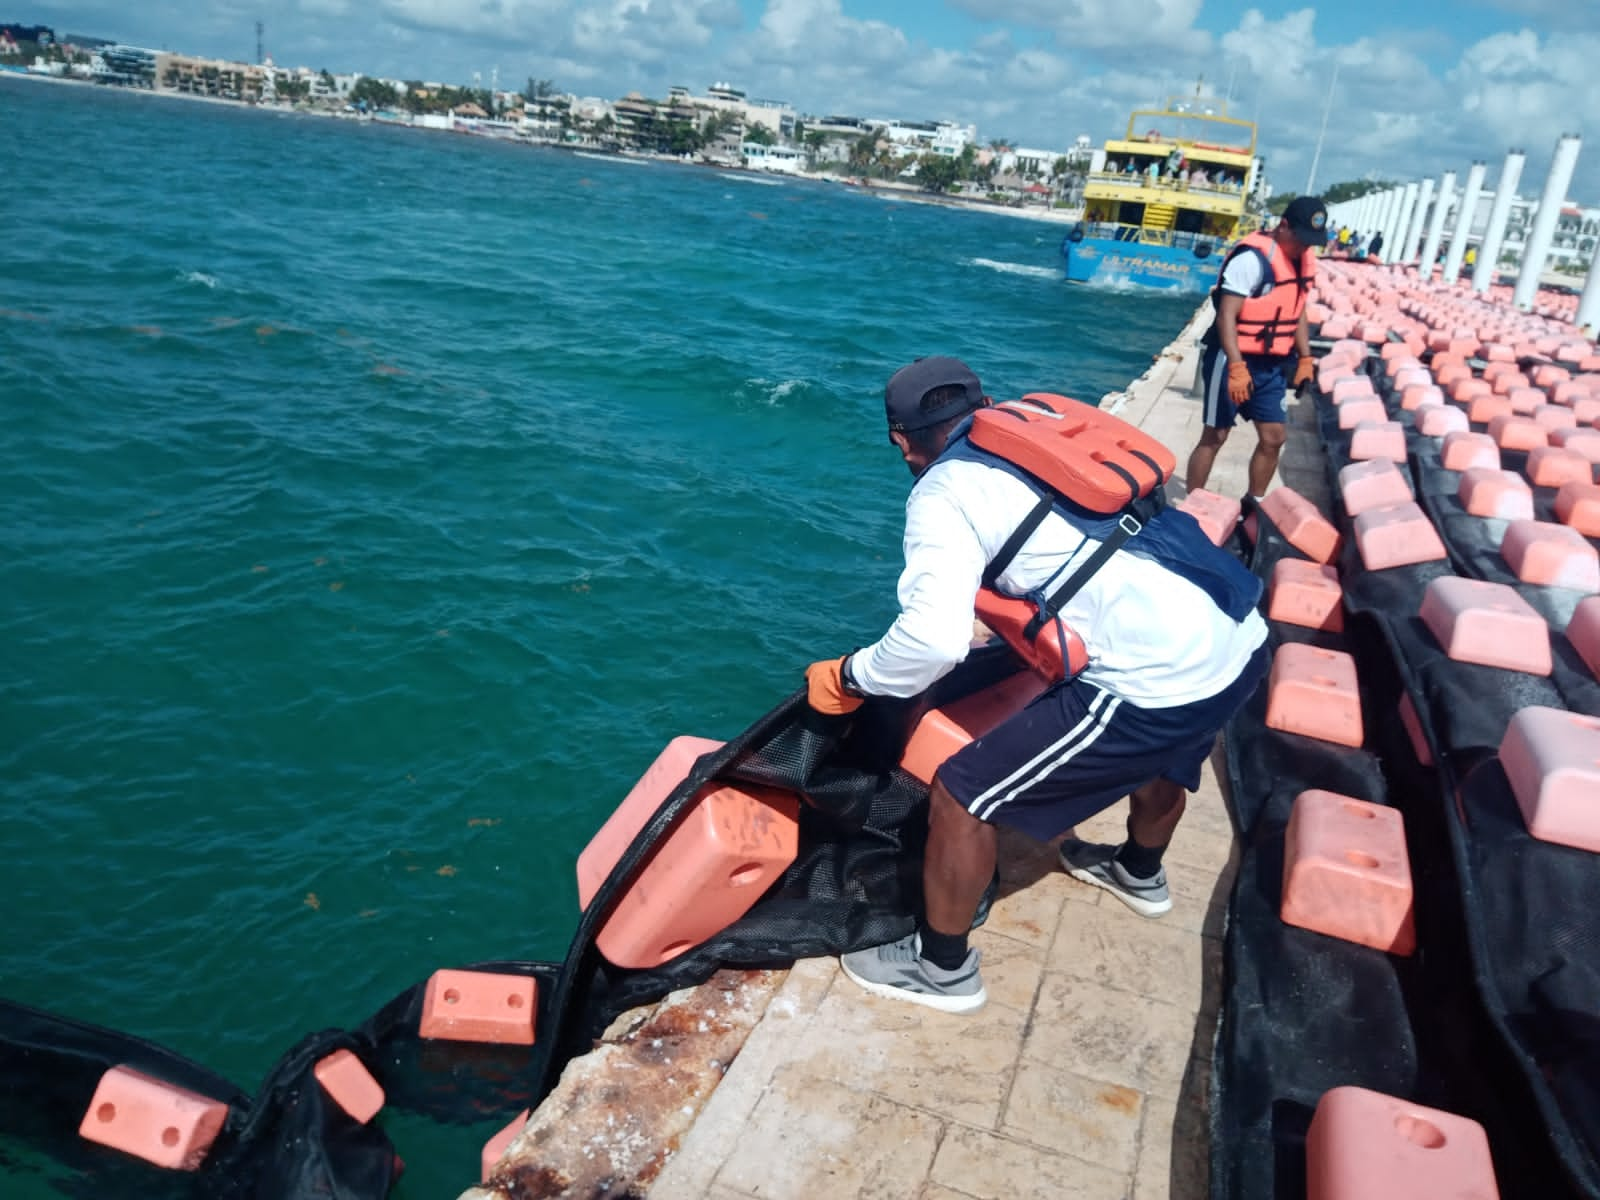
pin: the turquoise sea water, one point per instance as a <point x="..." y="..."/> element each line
<point x="378" y="503"/>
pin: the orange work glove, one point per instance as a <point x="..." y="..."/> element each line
<point x="1238" y="382"/>
<point x="1303" y="371"/>
<point x="825" y="689"/>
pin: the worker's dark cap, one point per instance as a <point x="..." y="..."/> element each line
<point x="912" y="384"/>
<point x="1307" y="219"/>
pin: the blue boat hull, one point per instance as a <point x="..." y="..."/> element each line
<point x="1169" y="268"/>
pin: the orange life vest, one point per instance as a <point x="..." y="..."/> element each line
<point x="1093" y="459"/>
<point x="1090" y="456"/>
<point x="1267" y="323"/>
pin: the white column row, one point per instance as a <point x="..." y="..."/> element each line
<point x="1412" y="218"/>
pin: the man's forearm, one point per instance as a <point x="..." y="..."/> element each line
<point x="1228" y="331"/>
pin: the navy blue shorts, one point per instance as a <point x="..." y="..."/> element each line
<point x="1078" y="749"/>
<point x="1269" y="383"/>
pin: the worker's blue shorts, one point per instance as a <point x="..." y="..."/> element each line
<point x="1269" y="379"/>
<point x="1078" y="749"/>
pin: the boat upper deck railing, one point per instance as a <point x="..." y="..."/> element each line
<point x="1141" y="179"/>
<point x="1203" y="121"/>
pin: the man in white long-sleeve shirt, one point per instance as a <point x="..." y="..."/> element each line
<point x="1167" y="668"/>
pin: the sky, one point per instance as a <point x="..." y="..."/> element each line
<point x="1417" y="86"/>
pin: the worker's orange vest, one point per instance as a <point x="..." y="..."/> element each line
<point x="1091" y="458"/>
<point x="1267" y="323"/>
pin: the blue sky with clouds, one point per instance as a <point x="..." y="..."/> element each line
<point x="1423" y="85"/>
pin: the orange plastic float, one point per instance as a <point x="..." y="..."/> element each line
<point x="731" y="845"/>
<point x="1477" y="621"/>
<point x="1314" y="692"/>
<point x="1360" y="409"/>
<point x="1553" y="466"/>
<point x="1436" y="420"/>
<point x="1463" y="450"/>
<point x="1396" y="535"/>
<point x="151" y="1119"/>
<point x="1306" y="594"/>
<point x="1301" y="523"/>
<point x="1364" y="1145"/>
<point x="1554" y="555"/>
<point x="349" y="1084"/>
<point x="1217" y="515"/>
<point x="1511" y="432"/>
<point x="480" y="1006"/>
<point x="1552" y="759"/>
<point x="1346" y="872"/>
<point x="1378" y="439"/>
<point x="1491" y="492"/>
<point x="1481" y="410"/>
<point x="945" y="730"/>
<point x="1372" y="484"/>
<point x="1583" y="632"/>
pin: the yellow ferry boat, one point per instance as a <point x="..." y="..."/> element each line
<point x="1166" y="198"/>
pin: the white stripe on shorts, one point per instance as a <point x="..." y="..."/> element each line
<point x="1216" y="388"/>
<point x="1078" y="738"/>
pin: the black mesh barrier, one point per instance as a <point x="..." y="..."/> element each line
<point x="855" y="882"/>
<point x="1502" y="1000"/>
<point x="1301" y="1012"/>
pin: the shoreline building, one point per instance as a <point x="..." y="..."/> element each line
<point x="1572" y="245"/>
<point x="124" y="66"/>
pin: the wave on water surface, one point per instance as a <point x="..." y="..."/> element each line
<point x="621" y="158"/>
<point x="750" y="179"/>
<point x="1033" y="271"/>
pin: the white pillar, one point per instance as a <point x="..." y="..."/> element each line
<point x="1441" y="206"/>
<point x="1537" y="248"/>
<point x="1589" y="303"/>
<point x="1418" y="216"/>
<point x="1463" y="226"/>
<point x="1380" y="214"/>
<point x="1504" y="193"/>
<point x="1394" y="238"/>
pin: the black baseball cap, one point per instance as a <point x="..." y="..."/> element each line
<point x="1307" y="219"/>
<point x="902" y="399"/>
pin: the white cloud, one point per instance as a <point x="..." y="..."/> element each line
<point x="1129" y="26"/>
<point x="510" y="19"/>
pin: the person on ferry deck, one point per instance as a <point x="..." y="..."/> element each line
<point x="1175" y="647"/>
<point x="1257" y="338"/>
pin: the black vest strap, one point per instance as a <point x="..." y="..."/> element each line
<point x="1127" y="526"/>
<point x="1019" y="535"/>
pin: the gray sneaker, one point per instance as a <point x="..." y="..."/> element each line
<point x="1096" y="863"/>
<point x="899" y="972"/>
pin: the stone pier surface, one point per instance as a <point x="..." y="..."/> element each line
<point x="1086" y="1077"/>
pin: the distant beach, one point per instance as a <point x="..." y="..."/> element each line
<point x="907" y="192"/>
